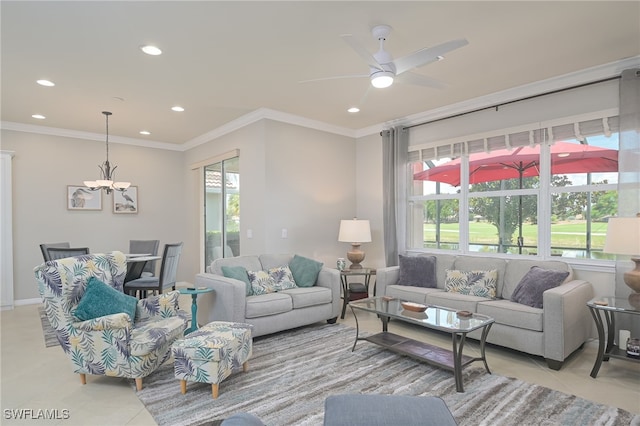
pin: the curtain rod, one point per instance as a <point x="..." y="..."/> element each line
<point x="496" y="106"/>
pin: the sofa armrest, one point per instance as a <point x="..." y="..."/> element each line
<point x="330" y="278"/>
<point x="567" y="323"/>
<point x="227" y="302"/>
<point x="384" y="277"/>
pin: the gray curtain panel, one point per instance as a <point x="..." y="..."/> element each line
<point x="395" y="155"/>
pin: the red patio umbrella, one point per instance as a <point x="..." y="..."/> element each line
<point x="524" y="162"/>
<point x="521" y="162"/>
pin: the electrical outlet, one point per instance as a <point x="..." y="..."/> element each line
<point x="249" y="233"/>
<point x="284" y="233"/>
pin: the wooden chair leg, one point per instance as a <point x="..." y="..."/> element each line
<point x="83" y="378"/>
<point x="139" y="384"/>
<point x="183" y="386"/>
<point x="215" y="388"/>
<point x="245" y="366"/>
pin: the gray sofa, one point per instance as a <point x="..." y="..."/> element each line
<point x="272" y="312"/>
<point x="556" y="330"/>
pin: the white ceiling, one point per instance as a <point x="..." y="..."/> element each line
<point x="223" y="60"/>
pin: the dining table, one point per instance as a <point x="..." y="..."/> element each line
<point x="136" y="263"/>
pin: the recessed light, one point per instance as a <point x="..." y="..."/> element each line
<point x="39" y="116"/>
<point x="145" y="132"/>
<point x="563" y="154"/>
<point x="353" y="110"/>
<point x="45" y="83"/>
<point x="151" y="50"/>
<point x="177" y="108"/>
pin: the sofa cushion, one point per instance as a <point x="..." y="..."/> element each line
<point x="537" y="281"/>
<point x="474" y="283"/>
<point x="269" y="261"/>
<point x="305" y="271"/>
<point x="282" y="278"/>
<point x="417" y="271"/>
<point x="410" y="294"/>
<point x="238" y="273"/>
<point x="456" y="301"/>
<point x="261" y="282"/>
<point x="268" y="304"/>
<point x="443" y="262"/>
<point x="309" y="296"/>
<point x="250" y="263"/>
<point x="483" y="263"/>
<point x="100" y="299"/>
<point x="518" y="268"/>
<point x="513" y="314"/>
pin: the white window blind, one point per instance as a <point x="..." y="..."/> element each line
<point x="580" y="130"/>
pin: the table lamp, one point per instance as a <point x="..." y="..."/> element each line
<point x="623" y="237"/>
<point x="355" y="231"/>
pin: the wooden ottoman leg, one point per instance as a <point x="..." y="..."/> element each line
<point x="215" y="388"/>
<point x="183" y="386"/>
<point x="245" y="366"/>
<point x="83" y="378"/>
<point x="139" y="384"/>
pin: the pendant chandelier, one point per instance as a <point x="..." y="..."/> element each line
<point x="107" y="173"/>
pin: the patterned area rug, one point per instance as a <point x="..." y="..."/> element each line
<point x="291" y="374"/>
<point x="49" y="333"/>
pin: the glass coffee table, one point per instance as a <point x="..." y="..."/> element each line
<point x="451" y="321"/>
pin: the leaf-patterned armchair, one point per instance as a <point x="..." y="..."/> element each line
<point x="111" y="345"/>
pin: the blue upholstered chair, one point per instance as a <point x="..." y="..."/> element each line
<point x="116" y="344"/>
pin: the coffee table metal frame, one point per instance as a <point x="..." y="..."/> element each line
<point x="435" y="317"/>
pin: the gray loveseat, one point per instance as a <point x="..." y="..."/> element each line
<point x="554" y="331"/>
<point x="272" y="312"/>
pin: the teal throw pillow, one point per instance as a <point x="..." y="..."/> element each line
<point x="305" y="271"/>
<point x="100" y="299"/>
<point x="238" y="273"/>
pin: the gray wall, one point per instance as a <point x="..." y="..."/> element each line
<point x="43" y="166"/>
<point x="291" y="177"/>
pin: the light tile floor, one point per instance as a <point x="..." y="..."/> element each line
<point x="35" y="377"/>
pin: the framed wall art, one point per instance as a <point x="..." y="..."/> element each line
<point x="126" y="202"/>
<point x="82" y="198"/>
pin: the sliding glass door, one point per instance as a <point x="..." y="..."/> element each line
<point x="222" y="209"/>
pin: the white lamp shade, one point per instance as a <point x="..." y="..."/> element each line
<point x="623" y="236"/>
<point x="354" y="231"/>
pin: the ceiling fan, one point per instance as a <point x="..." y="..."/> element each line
<point x="384" y="70"/>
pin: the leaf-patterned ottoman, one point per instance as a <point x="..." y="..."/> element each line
<point x="211" y="353"/>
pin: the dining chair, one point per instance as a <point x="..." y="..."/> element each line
<point x="45" y="247"/>
<point x="56" y="253"/>
<point x="167" y="277"/>
<point x="149" y="247"/>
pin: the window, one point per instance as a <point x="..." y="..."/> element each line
<point x="495" y="194"/>
<point x="222" y="209"/>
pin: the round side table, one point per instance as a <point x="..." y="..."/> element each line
<point x="194" y="292"/>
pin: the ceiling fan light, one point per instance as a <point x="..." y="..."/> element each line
<point x="382" y="79"/>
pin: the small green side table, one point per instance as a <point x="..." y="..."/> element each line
<point x="194" y="292"/>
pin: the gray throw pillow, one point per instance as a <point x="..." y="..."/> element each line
<point x="418" y="271"/>
<point x="535" y="282"/>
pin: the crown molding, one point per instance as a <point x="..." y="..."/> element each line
<point x="587" y="75"/>
<point x="269" y="114"/>
<point x="76" y="134"/>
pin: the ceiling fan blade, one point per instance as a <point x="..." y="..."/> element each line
<point x="360" y="50"/>
<point x="419" y="80"/>
<point x="427" y="55"/>
<point x="335" y="78"/>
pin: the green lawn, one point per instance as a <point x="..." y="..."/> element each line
<point x="565" y="234"/>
